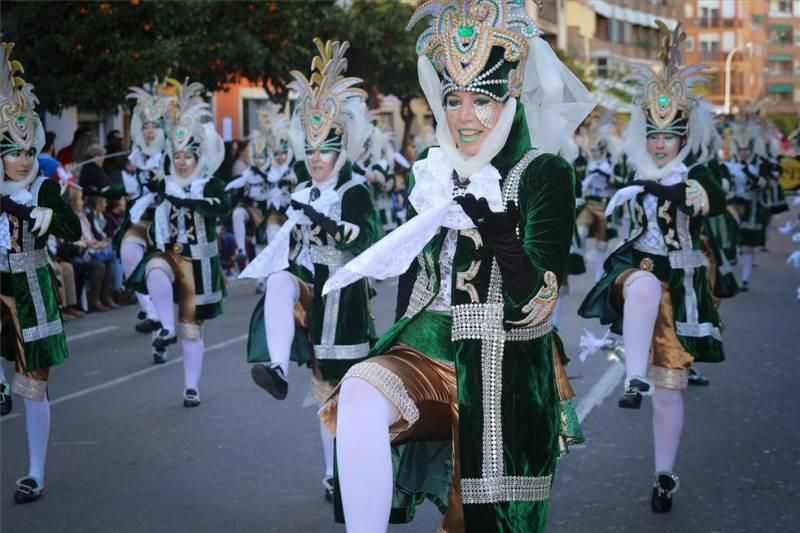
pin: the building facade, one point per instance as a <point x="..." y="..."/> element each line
<point x="782" y="73"/>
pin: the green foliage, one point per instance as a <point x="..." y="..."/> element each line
<point x="102" y="48"/>
<point x="786" y="122"/>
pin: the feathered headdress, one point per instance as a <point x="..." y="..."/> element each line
<point x="665" y="96"/>
<point x="20" y="127"/>
<point x="190" y="130"/>
<point x="324" y="96"/>
<point x="152" y="106"/>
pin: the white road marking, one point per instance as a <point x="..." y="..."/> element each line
<point x="600" y="390"/>
<point x="127" y="377"/>
<point x="91" y="333"/>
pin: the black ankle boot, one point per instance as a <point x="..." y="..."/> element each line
<point x="635" y="389"/>
<point x="696" y="378"/>
<point x="666" y="484"/>
<point x="5" y="398"/>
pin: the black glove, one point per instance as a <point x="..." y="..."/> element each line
<point x="500" y="230"/>
<point x="152" y="183"/>
<point x="184" y="202"/>
<point x="674" y="193"/>
<point x="257" y="171"/>
<point x="328" y="225"/>
<point x="7" y="205"/>
<point x="284" y="182"/>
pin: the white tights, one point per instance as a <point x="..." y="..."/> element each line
<point x="159" y="287"/>
<point x="131" y="254"/>
<point x="281" y="296"/>
<point x="642" y="299"/>
<point x="364" y="456"/>
<point x="667" y="427"/>
<point x="192" y="362"/>
<point x="240" y="217"/>
<point x="37" y="426"/>
<point x="747" y="263"/>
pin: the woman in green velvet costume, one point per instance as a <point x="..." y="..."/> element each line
<point x="655" y="290"/>
<point x="184" y="266"/>
<point x="465" y="401"/>
<point x="331" y="219"/>
<point x="31" y="209"/>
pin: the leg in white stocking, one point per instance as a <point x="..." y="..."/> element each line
<point x="282" y="295"/>
<point x="192" y="362"/>
<point x="159" y="287"/>
<point x="327" y="449"/>
<point x="364" y="456"/>
<point x="239" y="232"/>
<point x="642" y="299"/>
<point x="37" y="423"/>
<point x="131" y="254"/>
<point x="747" y="264"/>
<point x="667" y="427"/>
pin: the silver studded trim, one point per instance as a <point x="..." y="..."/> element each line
<point x="29" y="388"/>
<point x="204" y="251"/>
<point x="506" y="489"/>
<point x="530" y="333"/>
<point x="702" y="329"/>
<point x="329" y="256"/>
<point x="390" y="385"/>
<point x="29" y="263"/>
<point x="686" y="259"/>
<point x="475" y="321"/>
<point x="511" y="189"/>
<point x="668" y="378"/>
<point x="341" y="351"/>
<point x="422" y="293"/>
<point x="190" y="332"/>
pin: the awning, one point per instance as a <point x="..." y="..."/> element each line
<point x="780" y="88"/>
<point x="640" y="18"/>
<point x="780" y="57"/>
<point x="780" y="28"/>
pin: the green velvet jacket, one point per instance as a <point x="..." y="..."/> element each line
<point x="26" y="276"/>
<point x="341" y="327"/>
<point x="722" y="232"/>
<point x="201" y="229"/>
<point x="697" y="321"/>
<point x="510" y="413"/>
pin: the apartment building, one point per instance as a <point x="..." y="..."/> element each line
<point x="782" y="72"/>
<point x="609" y="34"/>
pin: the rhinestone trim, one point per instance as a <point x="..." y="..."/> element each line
<point x="329" y="256"/>
<point x="341" y="351"/>
<point x="29" y="388"/>
<point x="390" y="385"/>
<point x="506" y="489"/>
<point x="668" y="378"/>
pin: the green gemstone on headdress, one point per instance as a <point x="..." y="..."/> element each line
<point x="180" y="133"/>
<point x="21" y="120"/>
<point x="466" y="31"/>
<point x="316" y="118"/>
<point x="663" y="100"/>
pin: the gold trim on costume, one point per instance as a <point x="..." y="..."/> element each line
<point x="669" y="378"/>
<point x="29" y="388"/>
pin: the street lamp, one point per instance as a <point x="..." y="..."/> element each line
<point x="728" y="61"/>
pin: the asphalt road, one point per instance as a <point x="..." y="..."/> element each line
<point x="126" y="457"/>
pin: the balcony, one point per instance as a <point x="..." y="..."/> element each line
<point x="713" y="22"/>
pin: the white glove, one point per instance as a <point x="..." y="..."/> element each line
<point x="42" y="217"/>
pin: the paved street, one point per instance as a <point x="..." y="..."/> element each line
<point x="126" y="457"/>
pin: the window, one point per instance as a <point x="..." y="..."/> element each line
<point x="780" y="34"/>
<point x="602" y="67"/>
<point x="780" y="8"/>
<point x="689" y="43"/>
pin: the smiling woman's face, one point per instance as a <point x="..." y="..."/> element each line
<point x="470" y="118"/>
<point x="663" y="147"/>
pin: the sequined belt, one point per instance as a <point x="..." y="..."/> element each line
<point x="22" y="261"/>
<point x="479" y="321"/>
<point x="329" y="256"/>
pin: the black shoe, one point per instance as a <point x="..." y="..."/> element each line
<point x="148" y="325"/>
<point x="328" y="484"/>
<point x="271" y="380"/>
<point x="635" y="389"/>
<point x="159" y="357"/>
<point x="191" y="398"/>
<point x="141" y="315"/>
<point x="28" y="490"/>
<point x="745" y="286"/>
<point x="697" y="379"/>
<point x="665" y="486"/>
<point x="165" y="338"/>
<point x="5" y="399"/>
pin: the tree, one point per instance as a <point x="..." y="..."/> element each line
<point x="103" y="48"/>
<point x="382" y="51"/>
